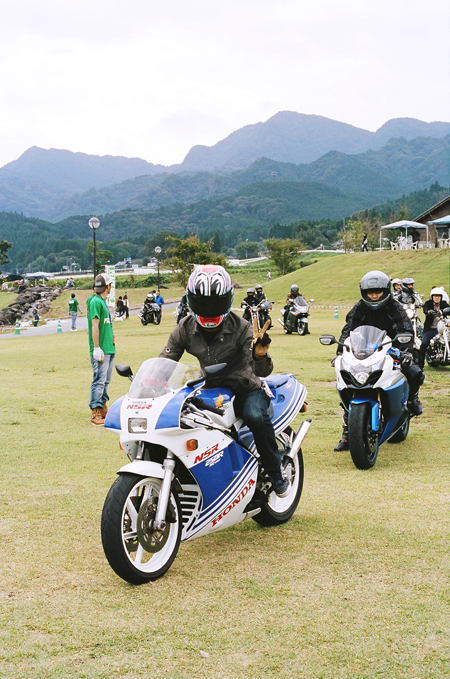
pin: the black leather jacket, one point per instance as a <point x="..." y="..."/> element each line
<point x="230" y="344"/>
<point x="391" y="317"/>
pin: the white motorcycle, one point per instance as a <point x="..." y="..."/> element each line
<point x="194" y="468"/>
<point x="411" y="312"/>
<point x="438" y="350"/>
<point x="373" y="390"/>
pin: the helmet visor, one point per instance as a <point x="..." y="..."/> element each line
<point x="209" y="306"/>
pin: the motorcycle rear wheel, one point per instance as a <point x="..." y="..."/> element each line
<point x="278" y="510"/>
<point x="143" y="322"/>
<point x="362" y="440"/>
<point x="134" y="552"/>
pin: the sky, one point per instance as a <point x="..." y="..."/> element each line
<point x="147" y="79"/>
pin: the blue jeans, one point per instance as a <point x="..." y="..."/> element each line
<point x="74" y="315"/>
<point x="101" y="379"/>
<point x="252" y="407"/>
<point x="427" y="336"/>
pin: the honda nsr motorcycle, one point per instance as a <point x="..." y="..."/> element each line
<point x="438" y="350"/>
<point x="193" y="468"/>
<point x="373" y="390"/>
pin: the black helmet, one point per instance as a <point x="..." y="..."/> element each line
<point x="406" y="282"/>
<point x="294" y="288"/>
<point x="375" y="281"/>
<point x="250" y="291"/>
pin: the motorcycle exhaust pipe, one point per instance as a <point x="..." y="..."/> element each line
<point x="280" y="322"/>
<point x="299" y="438"/>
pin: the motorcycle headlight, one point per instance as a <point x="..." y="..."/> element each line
<point x="361" y="377"/>
<point x="410" y="313"/>
<point x="137" y="425"/>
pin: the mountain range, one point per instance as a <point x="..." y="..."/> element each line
<point x="368" y="167"/>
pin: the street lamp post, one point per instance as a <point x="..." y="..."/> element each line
<point x="158" y="252"/>
<point x="94" y="223"/>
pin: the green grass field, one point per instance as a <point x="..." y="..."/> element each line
<point x="355" y="585"/>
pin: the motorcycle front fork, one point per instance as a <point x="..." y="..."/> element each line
<point x="159" y="522"/>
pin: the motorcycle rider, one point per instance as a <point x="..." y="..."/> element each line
<point x="259" y="295"/>
<point x="378" y="308"/>
<point x="396" y="288"/>
<point x="215" y="334"/>
<point x="407" y="293"/>
<point x="296" y="297"/>
<point x="431" y="309"/>
<point x="250" y="300"/>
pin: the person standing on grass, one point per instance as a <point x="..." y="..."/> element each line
<point x="101" y="347"/>
<point x="126" y="304"/>
<point x="74" y="310"/>
<point x="364" y="247"/>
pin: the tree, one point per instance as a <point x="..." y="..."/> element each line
<point x="160" y="239"/>
<point x="102" y="257"/>
<point x="4" y="247"/>
<point x="247" y="249"/>
<point x="185" y="254"/>
<point x="353" y="233"/>
<point x="284" y="253"/>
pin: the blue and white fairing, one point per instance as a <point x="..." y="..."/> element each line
<point x="224" y="469"/>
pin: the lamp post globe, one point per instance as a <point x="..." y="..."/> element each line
<point x="158" y="252"/>
<point x="94" y="223"/>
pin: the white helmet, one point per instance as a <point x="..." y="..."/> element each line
<point x="437" y="291"/>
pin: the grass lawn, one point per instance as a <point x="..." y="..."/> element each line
<point x="355" y="585"/>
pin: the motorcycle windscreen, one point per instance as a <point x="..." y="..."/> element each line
<point x="365" y="340"/>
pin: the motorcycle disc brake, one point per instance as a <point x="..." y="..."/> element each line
<point x="151" y="540"/>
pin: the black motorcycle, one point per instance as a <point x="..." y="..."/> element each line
<point x="150" y="313"/>
<point x="258" y="312"/>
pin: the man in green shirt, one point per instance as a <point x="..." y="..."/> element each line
<point x="101" y="347"/>
<point x="74" y="308"/>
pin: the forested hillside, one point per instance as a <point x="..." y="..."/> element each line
<point x="311" y="212"/>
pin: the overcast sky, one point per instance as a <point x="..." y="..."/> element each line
<point x="151" y="79"/>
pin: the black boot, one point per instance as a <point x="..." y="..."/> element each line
<point x="343" y="443"/>
<point x="414" y="405"/>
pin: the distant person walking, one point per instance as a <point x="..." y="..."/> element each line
<point x="364" y="247"/>
<point x="126" y="304"/>
<point x="74" y="310"/>
<point x="101" y="347"/>
<point x="268" y="276"/>
<point x="36" y="314"/>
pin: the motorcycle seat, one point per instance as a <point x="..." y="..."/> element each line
<point x="274" y="381"/>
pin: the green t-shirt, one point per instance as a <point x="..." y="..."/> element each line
<point x="96" y="308"/>
<point x="73" y="305"/>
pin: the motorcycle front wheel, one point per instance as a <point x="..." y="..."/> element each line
<point x="278" y="510"/>
<point x="301" y="328"/>
<point x="362" y="440"/>
<point x="134" y="551"/>
<point x="156" y="319"/>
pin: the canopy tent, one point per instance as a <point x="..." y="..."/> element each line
<point x="442" y="221"/>
<point x="404" y="224"/>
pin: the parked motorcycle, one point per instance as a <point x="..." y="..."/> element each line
<point x="194" y="468"/>
<point x="438" y="350"/>
<point x="150" y="313"/>
<point x="411" y="312"/>
<point x="296" y="317"/>
<point x="373" y="390"/>
<point x="182" y="310"/>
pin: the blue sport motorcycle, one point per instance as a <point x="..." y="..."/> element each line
<point x="373" y="391"/>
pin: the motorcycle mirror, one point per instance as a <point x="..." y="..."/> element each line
<point x="327" y="339"/>
<point x="124" y="371"/>
<point x="446" y="311"/>
<point x="312" y="300"/>
<point x="403" y="338"/>
<point x="214" y="370"/>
